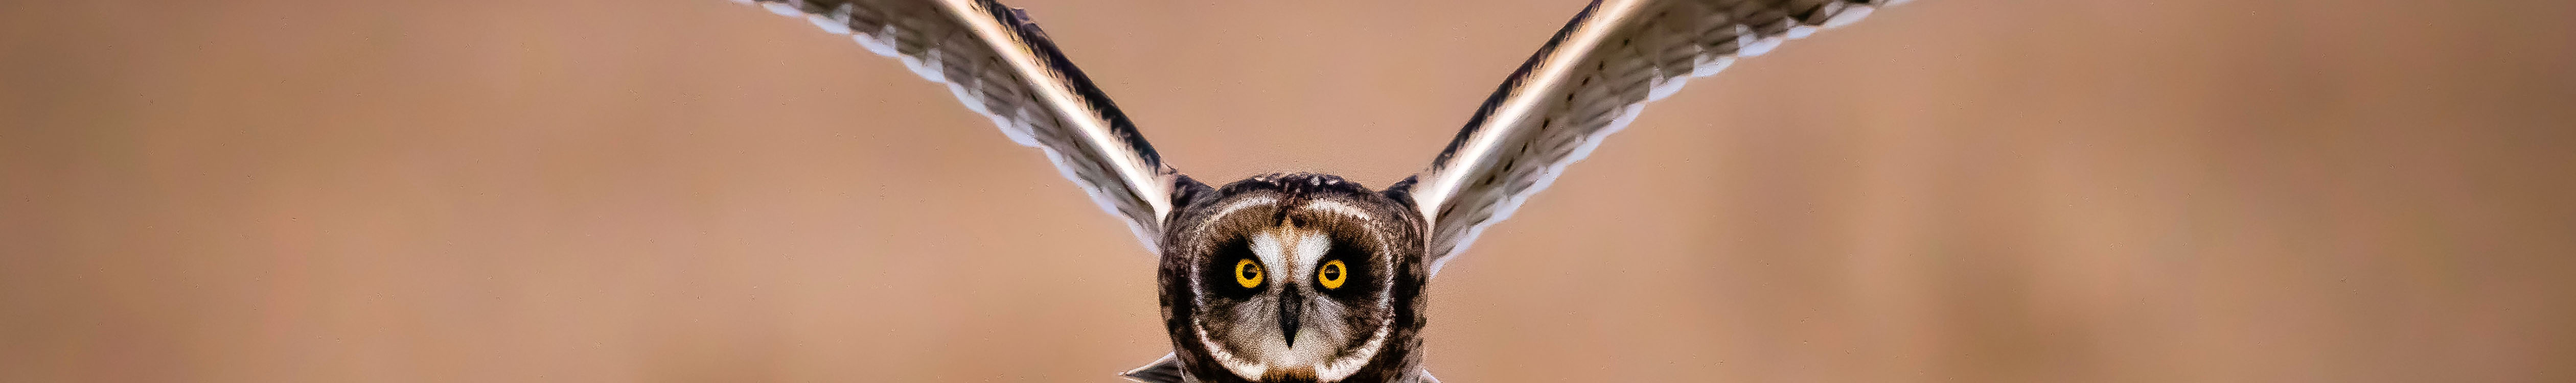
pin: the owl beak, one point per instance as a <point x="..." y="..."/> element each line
<point x="1288" y="306"/>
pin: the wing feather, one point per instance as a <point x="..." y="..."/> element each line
<point x="997" y="62"/>
<point x="1588" y="81"/>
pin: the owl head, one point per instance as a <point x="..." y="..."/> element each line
<point x="1294" y="278"/>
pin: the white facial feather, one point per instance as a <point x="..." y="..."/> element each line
<point x="1292" y="254"/>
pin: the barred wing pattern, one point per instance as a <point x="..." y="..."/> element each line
<point x="998" y="62"/>
<point x="1585" y="83"/>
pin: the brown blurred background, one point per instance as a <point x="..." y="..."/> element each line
<point x="699" y="191"/>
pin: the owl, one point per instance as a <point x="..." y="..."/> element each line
<point x="1303" y="277"/>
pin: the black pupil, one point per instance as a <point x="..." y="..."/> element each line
<point x="1251" y="272"/>
<point x="1332" y="272"/>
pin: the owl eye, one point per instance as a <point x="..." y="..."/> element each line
<point x="1332" y="274"/>
<point x="1247" y="273"/>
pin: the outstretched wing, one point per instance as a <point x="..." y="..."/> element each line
<point x="1001" y="65"/>
<point x="1587" y="82"/>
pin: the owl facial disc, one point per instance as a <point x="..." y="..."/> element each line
<point x="1297" y="254"/>
<point x="1293" y="278"/>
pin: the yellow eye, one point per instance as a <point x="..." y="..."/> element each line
<point x="1247" y="273"/>
<point x="1332" y="274"/>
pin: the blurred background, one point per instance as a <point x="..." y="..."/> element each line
<point x="698" y="191"/>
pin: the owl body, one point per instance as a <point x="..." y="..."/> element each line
<point x="1294" y="277"/>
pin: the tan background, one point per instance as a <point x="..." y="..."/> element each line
<point x="698" y="191"/>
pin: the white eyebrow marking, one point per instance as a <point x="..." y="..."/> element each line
<point x="1311" y="246"/>
<point x="1266" y="245"/>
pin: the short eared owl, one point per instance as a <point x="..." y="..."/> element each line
<point x="1308" y="277"/>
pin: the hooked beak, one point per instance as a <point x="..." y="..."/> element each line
<point x="1288" y="306"/>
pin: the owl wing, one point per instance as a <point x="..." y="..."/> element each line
<point x="998" y="62"/>
<point x="1165" y="370"/>
<point x="1588" y="81"/>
